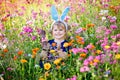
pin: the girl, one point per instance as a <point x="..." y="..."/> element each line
<point x="59" y="32"/>
<point x="57" y="45"/>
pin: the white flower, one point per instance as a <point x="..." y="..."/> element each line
<point x="103" y="18"/>
<point x="114" y="17"/>
<point x="29" y="55"/>
<point x="103" y="12"/>
<point x="3" y="46"/>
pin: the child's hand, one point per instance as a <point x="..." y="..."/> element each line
<point x="62" y="54"/>
<point x="36" y="65"/>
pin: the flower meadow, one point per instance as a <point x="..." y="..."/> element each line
<point x="94" y="37"/>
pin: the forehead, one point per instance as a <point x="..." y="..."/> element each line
<point x="59" y="25"/>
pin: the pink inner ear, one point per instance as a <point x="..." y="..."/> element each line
<point x="44" y="39"/>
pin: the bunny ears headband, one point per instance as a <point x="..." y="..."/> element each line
<point x="57" y="18"/>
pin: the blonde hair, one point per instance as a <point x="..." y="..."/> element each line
<point x="60" y="24"/>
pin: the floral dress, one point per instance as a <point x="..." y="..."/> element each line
<point x="53" y="46"/>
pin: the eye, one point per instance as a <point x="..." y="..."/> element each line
<point x="55" y="29"/>
<point x="61" y="29"/>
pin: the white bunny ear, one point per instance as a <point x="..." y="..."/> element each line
<point x="54" y="13"/>
<point x="64" y="13"/>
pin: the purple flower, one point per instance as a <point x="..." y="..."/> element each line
<point x="113" y="19"/>
<point x="34" y="14"/>
<point x="21" y="33"/>
<point x="105" y="5"/>
<point x="79" y="30"/>
<point x="9" y="69"/>
<point x="113" y="26"/>
<point x="27" y="29"/>
<point x="34" y="37"/>
<point x="39" y="31"/>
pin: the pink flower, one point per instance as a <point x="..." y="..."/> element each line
<point x="27" y="29"/>
<point x="29" y="22"/>
<point x="21" y="13"/>
<point x="90" y="58"/>
<point x="79" y="30"/>
<point x="2" y="27"/>
<point x="67" y="18"/>
<point x="83" y="10"/>
<point x="23" y="8"/>
<point x="38" y="31"/>
<point x="86" y="62"/>
<point x="118" y="35"/>
<point x="34" y="14"/>
<point x="75" y="50"/>
<point x="113" y="26"/>
<point x="75" y="24"/>
<point x="113" y="19"/>
<point x="97" y="57"/>
<point x="44" y="39"/>
<point x="9" y="69"/>
<point x="80" y="58"/>
<point x="108" y="32"/>
<point x="95" y="64"/>
<point x="84" y="69"/>
<point x="48" y="5"/>
<point x="74" y="78"/>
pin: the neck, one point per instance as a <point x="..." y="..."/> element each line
<point x="59" y="40"/>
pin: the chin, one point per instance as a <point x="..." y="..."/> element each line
<point x="58" y="38"/>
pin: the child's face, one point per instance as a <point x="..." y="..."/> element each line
<point x="58" y="32"/>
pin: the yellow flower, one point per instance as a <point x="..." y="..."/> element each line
<point x="41" y="79"/>
<point x="96" y="60"/>
<point x="98" y="51"/>
<point x="83" y="55"/>
<point x="57" y="61"/>
<point x="57" y="67"/>
<point x="118" y="43"/>
<point x="23" y="61"/>
<point x="106" y="47"/>
<point x="34" y="51"/>
<point x="47" y="66"/>
<point x="46" y="74"/>
<point x="65" y="44"/>
<point x="117" y="56"/>
<point x="52" y="51"/>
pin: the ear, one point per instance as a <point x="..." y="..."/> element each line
<point x="69" y="27"/>
<point x="43" y="33"/>
<point x="54" y="13"/>
<point x="64" y="13"/>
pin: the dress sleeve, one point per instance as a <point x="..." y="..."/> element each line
<point x="69" y="49"/>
